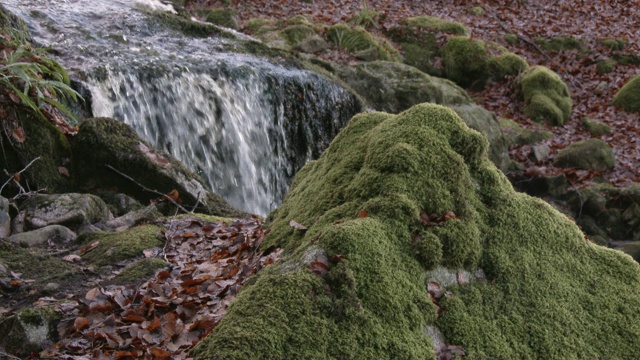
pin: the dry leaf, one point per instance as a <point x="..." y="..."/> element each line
<point x="18" y="135"/>
<point x="72" y="258"/>
<point x="294" y="224"/>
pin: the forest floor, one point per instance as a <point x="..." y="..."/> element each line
<point x="589" y="21"/>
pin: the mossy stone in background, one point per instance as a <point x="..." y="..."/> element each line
<point x="591" y="154"/>
<point x="628" y="97"/>
<point x="466" y="61"/>
<point x="596" y="128"/>
<point x="546" y="96"/>
<point x="507" y="64"/>
<point x="226" y="17"/>
<point x="605" y="66"/>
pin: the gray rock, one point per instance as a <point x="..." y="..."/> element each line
<point x="126" y="221"/>
<point x="540" y="152"/>
<point x="71" y="210"/>
<point x="104" y="141"/>
<point x="5" y="219"/>
<point x="57" y="233"/>
<point x="29" y="330"/>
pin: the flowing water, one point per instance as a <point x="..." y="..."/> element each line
<point x="244" y="124"/>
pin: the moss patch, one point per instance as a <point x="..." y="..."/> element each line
<point x="27" y="262"/>
<point x="615" y="44"/>
<point x="466" y="61"/>
<point x="521" y="136"/>
<point x="605" y="66"/>
<point x="596" y="128"/>
<point x="435" y="24"/>
<point x="546" y="96"/>
<point x="357" y="39"/>
<point x="628" y="97"/>
<point x="587" y="154"/>
<point x="558" y="43"/>
<point x="115" y="247"/>
<point x="551" y="297"/>
<point x="226" y="17"/>
<point x="507" y="64"/>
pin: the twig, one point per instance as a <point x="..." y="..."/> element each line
<point x="61" y="252"/>
<point x="170" y="237"/>
<point x="12" y="176"/>
<point x="195" y="206"/>
<point x="149" y="190"/>
<point x="4" y="354"/>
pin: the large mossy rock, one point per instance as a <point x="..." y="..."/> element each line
<point x="546" y="96"/>
<point x="628" y="97"/>
<point x="393" y="87"/>
<point x="466" y="61"/>
<point x="395" y="196"/>
<point x="29" y="331"/>
<point x="226" y="17"/>
<point x="103" y="142"/>
<point x="42" y="141"/>
<point x="591" y="154"/>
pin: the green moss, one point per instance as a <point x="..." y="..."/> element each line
<point x="596" y="128"/>
<point x="558" y="43"/>
<point x="115" y="247"/>
<point x="628" y="97"/>
<point x="226" y="17"/>
<point x="466" y="61"/>
<point x="615" y="44"/>
<point x="357" y="39"/>
<point x="627" y="59"/>
<point x="258" y="25"/>
<point x="32" y="264"/>
<point x="476" y="10"/>
<point x="511" y="39"/>
<point x="295" y="34"/>
<point x="188" y="26"/>
<point x="29" y="330"/>
<point x="507" y="64"/>
<point x="142" y="269"/>
<point x="522" y="136"/>
<point x="546" y="96"/>
<point x="435" y="24"/>
<point x="605" y="66"/>
<point x="299" y="20"/>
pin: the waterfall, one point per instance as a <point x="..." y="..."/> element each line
<point x="245" y="125"/>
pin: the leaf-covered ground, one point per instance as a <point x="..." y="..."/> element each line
<point x="590" y="22"/>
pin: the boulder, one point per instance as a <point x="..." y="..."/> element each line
<point x="507" y="64"/>
<point x="596" y="128"/>
<point x="628" y="97"/>
<point x="394" y="87"/>
<point x="304" y="38"/>
<point x="51" y="233"/>
<point x="591" y="154"/>
<point x="29" y="330"/>
<point x="466" y="61"/>
<point x="104" y="144"/>
<point x="5" y="219"/>
<point x="395" y="196"/>
<point x="546" y="96"/>
<point x="71" y="210"/>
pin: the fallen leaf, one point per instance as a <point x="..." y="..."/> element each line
<point x="363" y="214"/>
<point x="72" y="258"/>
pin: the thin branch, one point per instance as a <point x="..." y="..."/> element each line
<point x="164" y="196"/>
<point x="12" y="176"/>
<point x="195" y="206"/>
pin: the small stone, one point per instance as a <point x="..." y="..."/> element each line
<point x="51" y="288"/>
<point x="540" y="152"/>
<point x="57" y="233"/>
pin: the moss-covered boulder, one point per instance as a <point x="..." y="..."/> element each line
<point x="628" y="97"/>
<point x="591" y="154"/>
<point x="546" y="96"/>
<point x="387" y="184"/>
<point x="518" y="135"/>
<point x="226" y="17"/>
<point x="29" y="331"/>
<point x="71" y="210"/>
<point x="357" y="39"/>
<point x="41" y="141"/>
<point x="507" y="64"/>
<point x="393" y="87"/>
<point x="304" y="37"/>
<point x="102" y="143"/>
<point x="466" y="61"/>
<point x="596" y="128"/>
<point x="605" y="66"/>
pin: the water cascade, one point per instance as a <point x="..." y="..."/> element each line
<point x="246" y="125"/>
